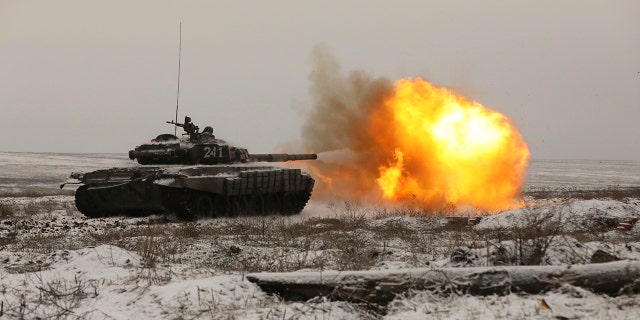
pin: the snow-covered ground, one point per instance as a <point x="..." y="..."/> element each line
<point x="582" y="173"/>
<point x="55" y="263"/>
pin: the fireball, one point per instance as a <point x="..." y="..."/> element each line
<point x="444" y="149"/>
<point x="412" y="142"/>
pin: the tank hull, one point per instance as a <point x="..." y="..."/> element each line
<point x="193" y="192"/>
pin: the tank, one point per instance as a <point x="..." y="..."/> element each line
<point x="194" y="176"/>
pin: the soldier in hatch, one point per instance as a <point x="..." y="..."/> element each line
<point x="188" y="126"/>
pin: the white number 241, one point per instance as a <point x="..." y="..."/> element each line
<point x="212" y="152"/>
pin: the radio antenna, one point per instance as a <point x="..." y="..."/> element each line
<point x="175" y="128"/>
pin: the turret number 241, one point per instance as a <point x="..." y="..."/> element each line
<point x="212" y="152"/>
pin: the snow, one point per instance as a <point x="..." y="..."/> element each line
<point x="569" y="174"/>
<point x="110" y="282"/>
<point x="573" y="216"/>
<point x="107" y="282"/>
<point x="204" y="278"/>
<point x="566" y="303"/>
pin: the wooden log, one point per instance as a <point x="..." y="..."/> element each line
<point x="380" y="287"/>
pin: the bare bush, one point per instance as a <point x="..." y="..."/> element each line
<point x="534" y="237"/>
<point x="350" y="212"/>
<point x="154" y="247"/>
<point x="63" y="295"/>
<point x="525" y="242"/>
<point x="39" y="298"/>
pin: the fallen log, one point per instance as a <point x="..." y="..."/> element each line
<point x="380" y="287"/>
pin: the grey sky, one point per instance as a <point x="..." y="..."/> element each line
<point x="100" y="76"/>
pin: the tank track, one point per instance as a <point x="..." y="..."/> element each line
<point x="104" y="202"/>
<point x="203" y="205"/>
<point x="187" y="204"/>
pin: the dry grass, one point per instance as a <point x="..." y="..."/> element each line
<point x="352" y="238"/>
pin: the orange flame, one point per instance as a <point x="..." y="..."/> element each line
<point x="447" y="149"/>
<point x="414" y="142"/>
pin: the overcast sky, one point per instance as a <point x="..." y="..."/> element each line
<point x="100" y="76"/>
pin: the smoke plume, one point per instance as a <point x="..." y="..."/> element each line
<point x="337" y="127"/>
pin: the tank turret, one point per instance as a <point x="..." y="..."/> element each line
<point x="201" y="148"/>
<point x="205" y="152"/>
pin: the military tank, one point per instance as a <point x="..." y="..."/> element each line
<point x="194" y="176"/>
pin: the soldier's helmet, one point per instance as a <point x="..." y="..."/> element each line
<point x="187" y="119"/>
<point x="208" y="129"/>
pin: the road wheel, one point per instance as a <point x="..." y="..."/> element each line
<point x="273" y="203"/>
<point x="202" y="206"/>
<point x="220" y="206"/>
<point x="238" y="206"/>
<point x="256" y="204"/>
<point x="289" y="204"/>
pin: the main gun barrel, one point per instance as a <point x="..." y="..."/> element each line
<point x="282" y="157"/>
